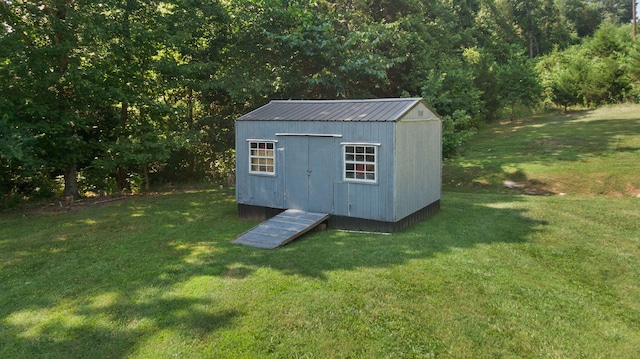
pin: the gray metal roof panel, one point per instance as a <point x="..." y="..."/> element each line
<point x="380" y="110"/>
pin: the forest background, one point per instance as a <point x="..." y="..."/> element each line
<point x="118" y="95"/>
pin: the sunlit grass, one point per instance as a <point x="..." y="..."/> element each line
<point x="585" y="153"/>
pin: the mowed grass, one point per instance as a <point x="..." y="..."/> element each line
<point x="582" y="153"/>
<point x="494" y="273"/>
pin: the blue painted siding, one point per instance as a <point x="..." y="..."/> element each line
<point x="367" y="200"/>
<point x="362" y="200"/>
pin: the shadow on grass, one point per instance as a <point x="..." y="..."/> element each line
<point x="102" y="282"/>
<point x="99" y="282"/>
<point x="461" y="223"/>
<point x="112" y="331"/>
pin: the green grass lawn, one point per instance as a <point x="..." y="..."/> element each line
<point x="495" y="273"/>
<point x="584" y="153"/>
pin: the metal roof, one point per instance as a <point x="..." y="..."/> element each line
<point x="381" y="110"/>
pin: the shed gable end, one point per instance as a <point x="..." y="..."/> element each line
<point x="420" y="112"/>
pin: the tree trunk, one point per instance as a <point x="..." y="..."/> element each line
<point x="71" y="182"/>
<point x="121" y="180"/>
<point x="124" y="113"/>
<point x="530" y="44"/>
<point x="121" y="173"/>
<point x="59" y="12"/>
<point x="146" y="178"/>
<point x="634" y="20"/>
<point x="530" y="30"/>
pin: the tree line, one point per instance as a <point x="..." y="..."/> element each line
<point x="115" y="95"/>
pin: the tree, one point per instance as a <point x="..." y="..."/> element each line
<point x="615" y="11"/>
<point x="51" y="90"/>
<point x="561" y="81"/>
<point x="584" y="16"/>
<point x="518" y="81"/>
<point x="607" y="80"/>
<point x="16" y="156"/>
<point x="593" y="73"/>
<point x="315" y="51"/>
<point x="110" y="85"/>
<point x="631" y="65"/>
<point x="540" y="25"/>
<point x="135" y="59"/>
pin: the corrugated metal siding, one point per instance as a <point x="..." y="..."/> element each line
<point x="362" y="200"/>
<point x="418" y="165"/>
<point x="365" y="200"/>
<point x="261" y="190"/>
<point x="333" y="111"/>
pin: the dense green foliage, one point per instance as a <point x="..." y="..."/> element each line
<point x="602" y="69"/>
<point x="115" y="95"/>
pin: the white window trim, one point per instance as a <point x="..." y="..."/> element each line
<point x="360" y="144"/>
<point x="310" y="134"/>
<point x="376" y="172"/>
<point x="260" y="173"/>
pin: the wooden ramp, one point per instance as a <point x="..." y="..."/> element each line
<point x="281" y="229"/>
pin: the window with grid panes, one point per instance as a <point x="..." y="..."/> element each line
<point x="262" y="157"/>
<point x="360" y="163"/>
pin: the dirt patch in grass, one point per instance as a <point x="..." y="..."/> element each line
<point x="549" y="142"/>
<point x="236" y="272"/>
<point x="530" y="188"/>
<point x="537" y="189"/>
<point x="632" y="190"/>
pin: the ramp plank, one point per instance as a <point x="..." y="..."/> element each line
<point x="281" y="229"/>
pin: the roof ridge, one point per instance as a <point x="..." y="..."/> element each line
<point x="384" y="99"/>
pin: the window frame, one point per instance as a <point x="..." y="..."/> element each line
<point x="365" y="162"/>
<point x="251" y="156"/>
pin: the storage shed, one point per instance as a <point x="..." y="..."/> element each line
<point x="368" y="164"/>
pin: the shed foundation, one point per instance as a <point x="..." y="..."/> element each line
<point x="259" y="214"/>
